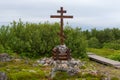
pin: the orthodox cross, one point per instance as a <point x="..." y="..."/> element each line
<point x="61" y="16"/>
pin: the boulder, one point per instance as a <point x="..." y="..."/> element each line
<point x="4" y="57"/>
<point x="45" y="61"/>
<point x="3" y="76"/>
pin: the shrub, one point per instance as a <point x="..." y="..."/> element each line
<point x="113" y="45"/>
<point x="33" y="40"/>
<point x="1" y="49"/>
<point x="76" y="42"/>
<point x="93" y="43"/>
<point x="115" y="57"/>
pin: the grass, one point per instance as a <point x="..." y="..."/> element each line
<point x="20" y="70"/>
<point x="108" y="53"/>
<point x="103" y="52"/>
<point x="65" y="76"/>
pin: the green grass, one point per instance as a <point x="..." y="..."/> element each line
<point x="22" y="71"/>
<point x="80" y="76"/>
<point x="19" y="70"/>
<point x="109" y="53"/>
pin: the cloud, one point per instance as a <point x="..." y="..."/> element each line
<point x="104" y="13"/>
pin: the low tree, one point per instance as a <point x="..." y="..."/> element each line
<point x="93" y="43"/>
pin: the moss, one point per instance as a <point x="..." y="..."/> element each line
<point x="79" y="76"/>
<point x="22" y="75"/>
<point x="2" y="64"/>
<point x="22" y="71"/>
<point x="115" y="78"/>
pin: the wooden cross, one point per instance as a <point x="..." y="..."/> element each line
<point x="61" y="11"/>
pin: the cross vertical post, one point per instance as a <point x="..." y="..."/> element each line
<point x="61" y="16"/>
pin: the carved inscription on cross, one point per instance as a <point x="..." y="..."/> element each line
<point x="61" y="16"/>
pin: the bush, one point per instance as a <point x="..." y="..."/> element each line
<point x="33" y="40"/>
<point x="113" y="45"/>
<point x="76" y="42"/>
<point x="1" y="49"/>
<point x="93" y="43"/>
<point x="115" y="57"/>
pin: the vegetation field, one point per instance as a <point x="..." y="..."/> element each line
<point x="108" y="53"/>
<point x="20" y="70"/>
<point x="31" y="41"/>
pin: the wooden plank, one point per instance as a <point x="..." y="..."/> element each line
<point x="103" y="60"/>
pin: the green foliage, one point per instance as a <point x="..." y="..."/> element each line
<point x="26" y="76"/>
<point x="115" y="57"/>
<point x="20" y="70"/>
<point x="34" y="40"/>
<point x="29" y="39"/>
<point x="103" y="36"/>
<point x="79" y="76"/>
<point x="1" y="49"/>
<point x="109" y="53"/>
<point x="116" y="33"/>
<point x="37" y="40"/>
<point x="113" y="45"/>
<point x="115" y="78"/>
<point x="93" y="43"/>
<point x="76" y="42"/>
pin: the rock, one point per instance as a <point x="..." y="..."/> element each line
<point x="46" y="64"/>
<point x="17" y="60"/>
<point x="3" y="76"/>
<point x="45" y="61"/>
<point x="72" y="71"/>
<point x="62" y="48"/>
<point x="94" y="72"/>
<point x="27" y="61"/>
<point x="35" y="65"/>
<point x="33" y="71"/>
<point x="64" y="66"/>
<point x="71" y="67"/>
<point x="38" y="61"/>
<point x="4" y="57"/>
<point x="48" y="61"/>
<point x="42" y="62"/>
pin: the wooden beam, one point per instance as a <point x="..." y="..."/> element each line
<point x="59" y="11"/>
<point x="56" y="16"/>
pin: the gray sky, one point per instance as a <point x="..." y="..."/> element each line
<point x="90" y="13"/>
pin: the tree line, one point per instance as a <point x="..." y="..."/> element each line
<point x="37" y="40"/>
<point x="107" y="38"/>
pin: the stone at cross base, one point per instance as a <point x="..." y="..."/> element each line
<point x="61" y="52"/>
<point x="62" y="59"/>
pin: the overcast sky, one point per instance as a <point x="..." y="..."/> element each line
<point x="91" y="13"/>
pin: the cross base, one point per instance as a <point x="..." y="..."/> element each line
<point x="69" y="66"/>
